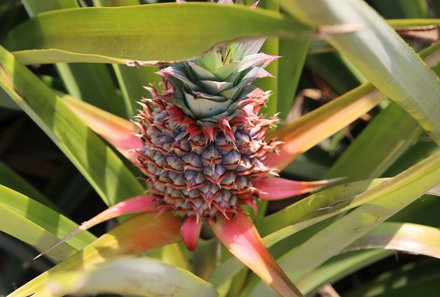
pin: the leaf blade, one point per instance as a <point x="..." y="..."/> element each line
<point x="392" y="66"/>
<point x="387" y="199"/>
<point x="405" y="237"/>
<point x="132" y="28"/>
<point x="95" y="160"/>
<point x="33" y="223"/>
<point x="127" y="238"/>
<point x="130" y="276"/>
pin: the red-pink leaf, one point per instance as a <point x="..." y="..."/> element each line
<point x="143" y="203"/>
<point x="190" y="232"/>
<point x="158" y="231"/>
<point x="119" y="132"/>
<point x="275" y="188"/>
<point x="241" y="238"/>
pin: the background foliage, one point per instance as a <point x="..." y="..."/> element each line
<point x="354" y="102"/>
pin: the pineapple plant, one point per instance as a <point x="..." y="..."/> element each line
<point x="201" y="143"/>
<point x="203" y="140"/>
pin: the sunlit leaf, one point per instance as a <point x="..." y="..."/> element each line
<point x="329" y="202"/>
<point x="404" y="237"/>
<point x="386" y="199"/>
<point x="37" y="225"/>
<point x="298" y="216"/>
<point x="134" y="29"/>
<point x="134" y="236"/>
<point x="130" y="276"/>
<point x="90" y="82"/>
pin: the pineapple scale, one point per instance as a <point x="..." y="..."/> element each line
<point x="203" y="169"/>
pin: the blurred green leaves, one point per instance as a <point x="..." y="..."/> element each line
<point x="353" y="215"/>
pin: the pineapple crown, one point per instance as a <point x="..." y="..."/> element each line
<point x="212" y="86"/>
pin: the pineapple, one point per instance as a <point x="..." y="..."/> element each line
<point x="203" y="138"/>
<point x="201" y="144"/>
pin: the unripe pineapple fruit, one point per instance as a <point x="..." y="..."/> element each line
<point x="201" y="144"/>
<point x="204" y="140"/>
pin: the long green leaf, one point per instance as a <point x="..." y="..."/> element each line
<point x="38" y="225"/>
<point x="392" y="66"/>
<point x="89" y="82"/>
<point x="147" y="32"/>
<point x="312" y="210"/>
<point x="45" y="56"/>
<point x="298" y="216"/>
<point x="377" y="148"/>
<point x="95" y="160"/>
<point x="386" y="199"/>
<point x="131" y="79"/>
<point x="382" y="149"/>
<point x="422" y="211"/>
<point x="315" y="208"/>
<point x="404" y="237"/>
<point x="130" y="276"/>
